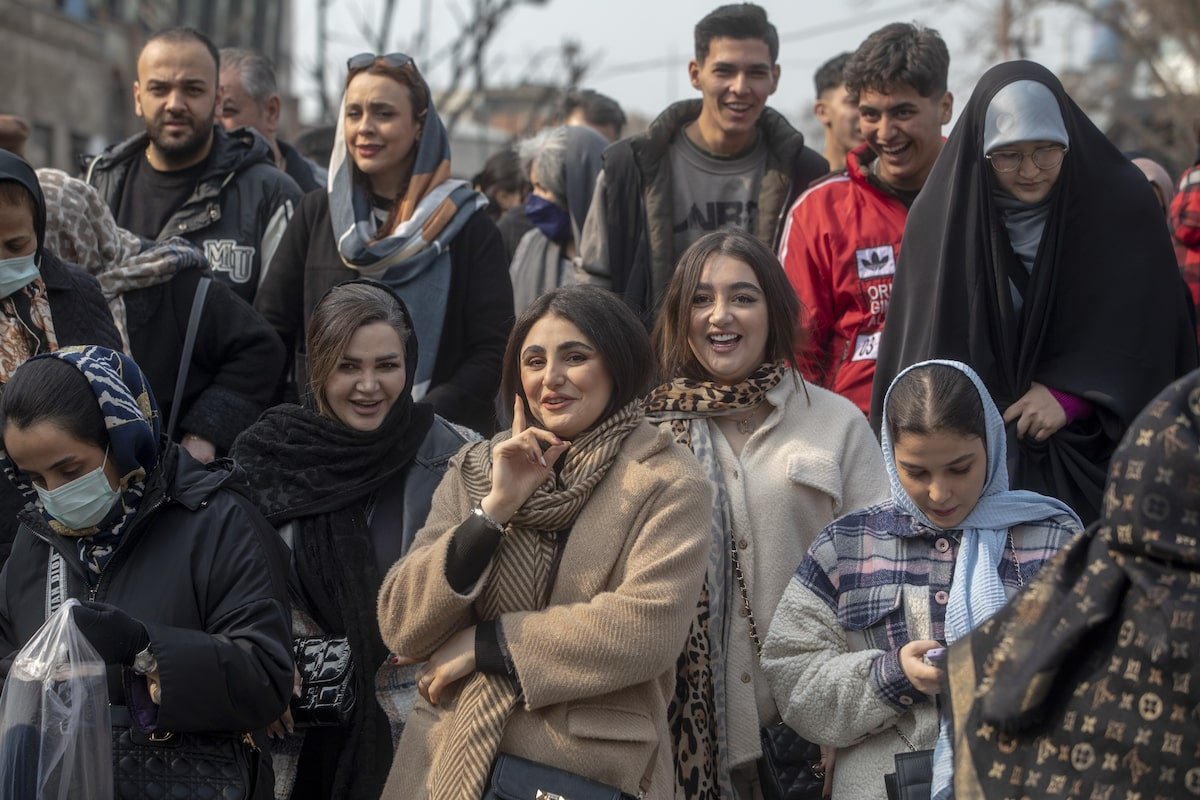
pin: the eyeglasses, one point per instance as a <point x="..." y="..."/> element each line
<point x="1043" y="158"/>
<point x="364" y="60"/>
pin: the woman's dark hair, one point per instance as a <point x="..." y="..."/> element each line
<point x="935" y="398"/>
<point x="51" y="390"/>
<point x="785" y="334"/>
<point x="615" y="331"/>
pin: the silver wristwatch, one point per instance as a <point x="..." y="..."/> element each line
<point x="487" y="518"/>
<point x="145" y="662"/>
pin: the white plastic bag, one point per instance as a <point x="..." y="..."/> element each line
<point x="55" y="729"/>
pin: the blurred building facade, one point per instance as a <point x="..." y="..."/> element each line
<point x="70" y="64"/>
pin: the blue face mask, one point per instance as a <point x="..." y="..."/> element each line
<point x="84" y="502"/>
<point x="17" y="273"/>
<point x="548" y="217"/>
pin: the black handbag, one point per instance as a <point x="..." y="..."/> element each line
<point x="913" y="778"/>
<point x="327" y="695"/>
<point x="790" y="767"/>
<point x="515" y="778"/>
<point x="181" y="766"/>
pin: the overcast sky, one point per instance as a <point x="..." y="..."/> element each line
<point x="639" y="49"/>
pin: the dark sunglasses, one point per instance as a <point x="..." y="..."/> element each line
<point x="364" y="60"/>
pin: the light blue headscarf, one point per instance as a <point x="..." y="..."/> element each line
<point x="976" y="591"/>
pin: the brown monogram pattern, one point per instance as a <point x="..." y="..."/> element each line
<point x="1088" y="685"/>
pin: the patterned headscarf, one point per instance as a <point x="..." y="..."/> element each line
<point x="1090" y="680"/>
<point x="414" y="257"/>
<point x="132" y="421"/>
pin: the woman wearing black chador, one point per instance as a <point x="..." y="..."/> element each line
<point x="1036" y="254"/>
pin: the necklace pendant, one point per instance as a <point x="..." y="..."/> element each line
<point x="745" y="426"/>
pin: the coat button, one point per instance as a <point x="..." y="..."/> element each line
<point x="743" y="544"/>
<point x="742" y="612"/>
<point x="213" y="213"/>
<point x="735" y="474"/>
<point x="905" y="700"/>
<point x="941" y="545"/>
<point x="745" y="677"/>
<point x="941" y="597"/>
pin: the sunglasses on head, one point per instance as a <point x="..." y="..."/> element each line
<point x="364" y="60"/>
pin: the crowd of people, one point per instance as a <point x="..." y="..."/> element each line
<point x="690" y="465"/>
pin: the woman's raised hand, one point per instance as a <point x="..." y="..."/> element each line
<point x="520" y="466"/>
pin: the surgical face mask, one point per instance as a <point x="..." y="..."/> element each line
<point x="17" y="273"/>
<point x="84" y="502"/>
<point x="548" y="217"/>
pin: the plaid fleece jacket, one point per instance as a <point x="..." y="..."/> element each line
<point x="870" y="568"/>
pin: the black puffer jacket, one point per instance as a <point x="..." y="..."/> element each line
<point x="206" y="575"/>
<point x="237" y="362"/>
<point x="238" y="212"/>
<point x="77" y="306"/>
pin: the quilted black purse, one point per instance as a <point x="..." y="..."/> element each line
<point x="790" y="767"/>
<point x="327" y="694"/>
<point x="183" y="766"/>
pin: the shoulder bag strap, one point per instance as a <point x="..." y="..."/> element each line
<point x="185" y="358"/>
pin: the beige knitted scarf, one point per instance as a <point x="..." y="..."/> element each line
<point x="521" y="580"/>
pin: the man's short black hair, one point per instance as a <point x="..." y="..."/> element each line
<point x="598" y="109"/>
<point x="185" y="34"/>
<point x="899" y="54"/>
<point x="829" y="75"/>
<point x="736" y="21"/>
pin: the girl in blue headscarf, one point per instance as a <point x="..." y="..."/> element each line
<point x="181" y="580"/>
<point x="848" y="652"/>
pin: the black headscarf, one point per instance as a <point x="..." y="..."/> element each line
<point x="1092" y="672"/>
<point x="319" y="474"/>
<point x="16" y="169"/>
<point x="1104" y="317"/>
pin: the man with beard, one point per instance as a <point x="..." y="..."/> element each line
<point x="185" y="176"/>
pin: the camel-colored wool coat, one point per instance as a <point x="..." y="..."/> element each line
<point x="597" y="665"/>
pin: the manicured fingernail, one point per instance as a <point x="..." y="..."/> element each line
<point x="542" y="459"/>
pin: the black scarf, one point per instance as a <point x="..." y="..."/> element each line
<point x="1104" y="314"/>
<point x="320" y="474"/>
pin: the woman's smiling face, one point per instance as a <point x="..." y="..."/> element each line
<point x="729" y="320"/>
<point x="566" y="383"/>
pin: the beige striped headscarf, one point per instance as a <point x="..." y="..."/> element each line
<point x="520" y="581"/>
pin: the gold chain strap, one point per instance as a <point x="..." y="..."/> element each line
<point x="741" y="582"/>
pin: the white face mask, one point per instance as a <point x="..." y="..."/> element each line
<point x="84" y="502"/>
<point x="17" y="273"/>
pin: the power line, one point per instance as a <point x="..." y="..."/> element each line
<point x="868" y="16"/>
